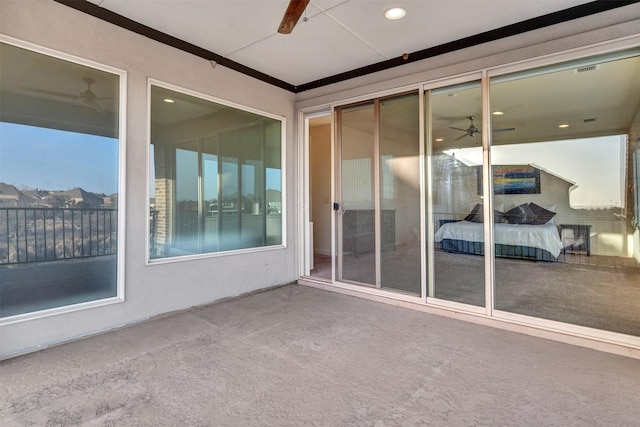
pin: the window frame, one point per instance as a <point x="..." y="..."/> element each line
<point x="151" y="82"/>
<point x="121" y="175"/>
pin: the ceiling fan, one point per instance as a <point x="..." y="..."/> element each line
<point x="87" y="96"/>
<point x="292" y="15"/>
<point x="473" y="131"/>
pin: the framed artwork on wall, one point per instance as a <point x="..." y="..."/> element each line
<point x="513" y="179"/>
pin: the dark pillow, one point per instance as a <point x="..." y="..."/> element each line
<point x="477" y="215"/>
<point x="522" y="214"/>
<point x="498" y="217"/>
<point x="542" y="215"/>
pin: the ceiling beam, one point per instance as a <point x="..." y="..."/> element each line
<point x="131" y="25"/>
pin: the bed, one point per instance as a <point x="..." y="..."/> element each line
<point x="531" y="240"/>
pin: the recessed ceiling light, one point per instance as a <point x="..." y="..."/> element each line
<point x="168" y="100"/>
<point x="394" y="13"/>
<point x="498" y="113"/>
<point x="563" y="126"/>
<point x="439" y="139"/>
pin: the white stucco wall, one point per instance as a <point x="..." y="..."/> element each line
<point x="150" y="289"/>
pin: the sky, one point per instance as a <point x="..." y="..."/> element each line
<point x="33" y="157"/>
<point x="595" y="165"/>
<point x="49" y="159"/>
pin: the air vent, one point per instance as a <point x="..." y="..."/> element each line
<point x="586" y="69"/>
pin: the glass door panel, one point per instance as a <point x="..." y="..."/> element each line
<point x="456" y="193"/>
<point x="399" y="192"/>
<point x="357" y="243"/>
<point x="567" y="249"/>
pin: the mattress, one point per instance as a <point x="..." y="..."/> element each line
<point x="543" y="236"/>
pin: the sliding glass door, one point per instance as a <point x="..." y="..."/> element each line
<point x="567" y="250"/>
<point x="356" y="216"/>
<point x="379" y="191"/>
<point x="399" y="192"/>
<point x="521" y="204"/>
<point x="454" y="144"/>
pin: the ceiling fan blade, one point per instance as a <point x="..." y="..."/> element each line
<point x="461" y="136"/>
<point x="460" y="129"/>
<point x="292" y="15"/>
<point x="98" y="108"/>
<point x="504" y="130"/>
<point x="51" y="93"/>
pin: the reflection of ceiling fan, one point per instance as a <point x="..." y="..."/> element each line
<point x="472" y="130"/>
<point x="87" y="96"/>
<point x="292" y="15"/>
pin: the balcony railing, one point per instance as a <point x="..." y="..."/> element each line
<point x="50" y="234"/>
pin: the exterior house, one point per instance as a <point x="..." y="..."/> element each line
<point x="80" y="197"/>
<point x="9" y="195"/>
<point x="162" y="269"/>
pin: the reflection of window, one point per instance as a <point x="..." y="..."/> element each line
<point x="217" y="176"/>
<point x="58" y="181"/>
<point x="593" y="168"/>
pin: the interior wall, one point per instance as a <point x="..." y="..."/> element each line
<point x="151" y="290"/>
<point x="320" y="182"/>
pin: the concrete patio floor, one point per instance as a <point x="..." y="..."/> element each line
<point x="298" y="356"/>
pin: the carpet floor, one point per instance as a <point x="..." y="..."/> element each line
<point x="595" y="296"/>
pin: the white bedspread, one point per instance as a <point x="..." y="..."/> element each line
<point x="537" y="236"/>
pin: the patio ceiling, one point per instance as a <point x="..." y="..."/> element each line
<point x="335" y="39"/>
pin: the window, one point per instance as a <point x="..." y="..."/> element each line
<point x="59" y="186"/>
<point x="216" y="177"/>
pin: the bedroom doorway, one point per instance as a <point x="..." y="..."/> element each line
<point x="318" y="231"/>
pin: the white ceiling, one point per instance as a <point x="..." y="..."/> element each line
<point x="338" y="35"/>
<point x="609" y="95"/>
